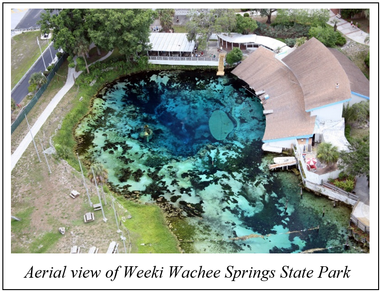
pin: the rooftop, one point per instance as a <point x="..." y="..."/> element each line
<point x="261" y="70"/>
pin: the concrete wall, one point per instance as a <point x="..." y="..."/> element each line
<point x="329" y="113"/>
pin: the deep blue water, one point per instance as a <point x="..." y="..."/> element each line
<point x="221" y="185"/>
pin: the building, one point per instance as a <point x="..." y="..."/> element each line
<point x="305" y="91"/>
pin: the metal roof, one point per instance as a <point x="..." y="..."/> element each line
<point x="171" y="42"/>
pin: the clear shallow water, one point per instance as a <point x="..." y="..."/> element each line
<point x="221" y="187"/>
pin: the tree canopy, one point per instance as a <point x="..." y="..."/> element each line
<point x="245" y="25"/>
<point x="312" y="17"/>
<point x="202" y="23"/>
<point x="356" y="160"/>
<point x="327" y="153"/>
<point x="233" y="56"/>
<point x="125" y="29"/>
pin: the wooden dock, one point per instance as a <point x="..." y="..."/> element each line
<point x="282" y="162"/>
<point x="221" y="71"/>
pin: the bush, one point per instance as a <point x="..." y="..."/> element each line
<point x="340" y="39"/>
<point x="326" y="35"/>
<point x="290" y="42"/>
<point x="59" y="55"/>
<point x="246" y="15"/>
<point x="233" y="56"/>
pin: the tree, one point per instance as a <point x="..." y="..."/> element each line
<point x="357" y="113"/>
<point x="326" y="35"/>
<point x="335" y="21"/>
<point x="356" y="160"/>
<point x="125" y="29"/>
<point x="203" y="23"/>
<point x="82" y="49"/>
<point x="245" y="25"/>
<point x="166" y="18"/>
<point x="68" y="26"/>
<point x="235" y="55"/>
<point x="101" y="176"/>
<point x="327" y="153"/>
<point x="266" y="13"/>
<point x="312" y="17"/>
<point x="36" y="80"/>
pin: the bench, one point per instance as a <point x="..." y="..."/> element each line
<point x="74" y="194"/>
<point x="113" y="247"/>
<point x="97" y="207"/>
<point x="93" y="249"/>
<point x="88" y="217"/>
<point x="75" y="249"/>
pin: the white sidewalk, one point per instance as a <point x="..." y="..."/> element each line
<point x="347" y="29"/>
<point x="71" y="76"/>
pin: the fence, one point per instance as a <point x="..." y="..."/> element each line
<point x="167" y="58"/>
<point x="38" y="94"/>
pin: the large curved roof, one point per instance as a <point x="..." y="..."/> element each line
<point x="261" y="70"/>
<point x="359" y="83"/>
<point x="318" y="72"/>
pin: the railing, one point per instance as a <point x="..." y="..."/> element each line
<point x="359" y="224"/>
<point x="340" y="191"/>
<point x="172" y="58"/>
<point x="339" y="195"/>
<point x="37" y="96"/>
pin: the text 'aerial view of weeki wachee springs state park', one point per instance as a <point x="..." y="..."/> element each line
<point x="190" y="131"/>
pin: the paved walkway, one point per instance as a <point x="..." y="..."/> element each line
<point x="348" y="30"/>
<point x="71" y="76"/>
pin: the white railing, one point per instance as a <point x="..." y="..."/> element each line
<point x="171" y="58"/>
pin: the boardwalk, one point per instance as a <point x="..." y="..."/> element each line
<point x="220" y="71"/>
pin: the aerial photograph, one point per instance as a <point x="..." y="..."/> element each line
<point x="190" y="130"/>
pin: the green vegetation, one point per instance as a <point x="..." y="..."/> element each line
<point x="327" y="153"/>
<point x="23" y="224"/>
<point x="344" y="181"/>
<point x="24" y="52"/>
<point x="36" y="81"/>
<point x="245" y="25"/>
<point x="311" y="17"/>
<point x="235" y="55"/>
<point x="149" y="228"/>
<point x="166" y="18"/>
<point x="44" y="243"/>
<point x="125" y="29"/>
<point x="327" y="36"/>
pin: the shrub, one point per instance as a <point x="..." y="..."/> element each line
<point x="59" y="55"/>
<point x="290" y="42"/>
<point x="326" y="35"/>
<point x="246" y="15"/>
<point x="233" y="56"/>
<point x="340" y="39"/>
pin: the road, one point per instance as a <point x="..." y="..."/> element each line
<point x="19" y="93"/>
<point x="29" y="20"/>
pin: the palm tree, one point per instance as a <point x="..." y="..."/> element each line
<point x="38" y="79"/>
<point x="101" y="176"/>
<point x="82" y="48"/>
<point x="335" y="21"/>
<point x="166" y="18"/>
<point x="327" y="153"/>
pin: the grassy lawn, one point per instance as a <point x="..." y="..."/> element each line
<point x="25" y="51"/>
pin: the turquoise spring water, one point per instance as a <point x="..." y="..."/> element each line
<point x="152" y="131"/>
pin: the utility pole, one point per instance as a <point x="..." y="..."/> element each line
<point x="84" y="182"/>
<point x="30" y="131"/>
<point x="99" y="197"/>
<point x="116" y="218"/>
<point x="41" y="53"/>
<point x="45" y="157"/>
